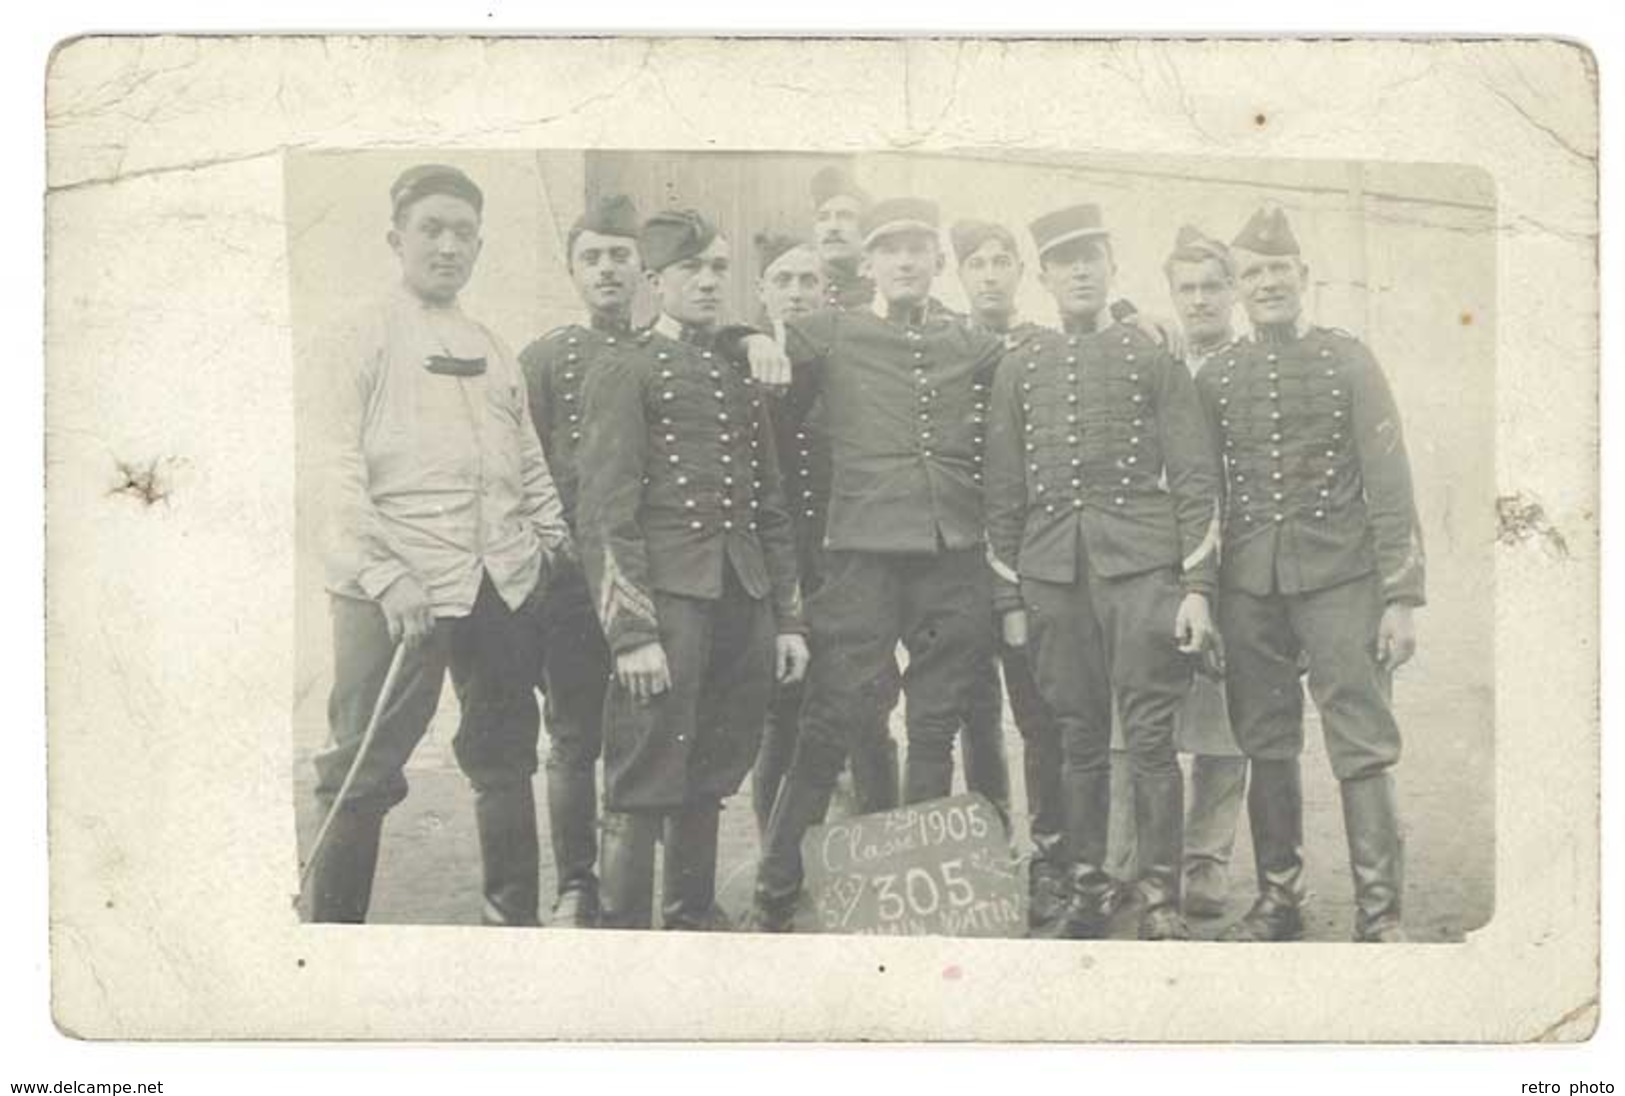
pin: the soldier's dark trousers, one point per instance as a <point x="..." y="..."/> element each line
<point x="986" y="769"/>
<point x="1093" y="638"/>
<point x="1040" y="753"/>
<point x="939" y="606"/>
<point x="491" y="655"/>
<point x="575" y="674"/>
<point x="1337" y="628"/>
<point x="677" y="756"/>
<point x="874" y="771"/>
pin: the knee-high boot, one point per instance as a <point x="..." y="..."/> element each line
<point x="509" y="854"/>
<point x="1088" y="810"/>
<point x="627" y="865"/>
<point x="1159" y="820"/>
<point x="572" y="811"/>
<point x="690" y="889"/>
<point x="1275" y="813"/>
<point x="1376" y="858"/>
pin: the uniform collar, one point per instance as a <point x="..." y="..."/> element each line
<point x="1195" y="359"/>
<point x="913" y="317"/>
<point x="1012" y="321"/>
<point x="673" y="328"/>
<point x="1282" y="333"/>
<point x="604" y="325"/>
<point x="1090" y="326"/>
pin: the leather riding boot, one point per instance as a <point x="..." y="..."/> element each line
<point x="572" y="813"/>
<point x="1088" y="810"/>
<point x="1048" y="886"/>
<point x="1217" y="787"/>
<point x="1275" y="812"/>
<point x="1159" y="820"/>
<point x="627" y="869"/>
<point x="341" y="881"/>
<point x="801" y="804"/>
<point x="1376" y="858"/>
<point x="509" y="854"/>
<point x="689" y="891"/>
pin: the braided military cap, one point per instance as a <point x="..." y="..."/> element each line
<point x="968" y="235"/>
<point x="1267" y="233"/>
<point x="417" y="183"/>
<point x="673" y="235"/>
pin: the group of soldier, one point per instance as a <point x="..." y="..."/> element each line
<point x="705" y="543"/>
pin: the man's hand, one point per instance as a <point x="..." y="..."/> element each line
<point x="1163" y="330"/>
<point x="1396" y="636"/>
<point x="407" y="612"/>
<point x="643" y="672"/>
<point x="790" y="658"/>
<point x="769" y="364"/>
<point x="1193" y="625"/>
<point x="1013" y="627"/>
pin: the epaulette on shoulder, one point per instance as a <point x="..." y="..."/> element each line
<point x="1336" y="333"/>
<point x="1022" y="335"/>
<point x="559" y="332"/>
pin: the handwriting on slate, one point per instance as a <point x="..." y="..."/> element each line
<point x="937" y="868"/>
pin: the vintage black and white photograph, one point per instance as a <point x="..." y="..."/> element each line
<point x="1064" y="547"/>
<point x="999" y="540"/>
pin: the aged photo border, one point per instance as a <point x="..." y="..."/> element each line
<point x="151" y="939"/>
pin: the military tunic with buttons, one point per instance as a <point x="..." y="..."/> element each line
<point x="576" y="662"/>
<point x="1320" y="534"/>
<point x="1102" y="497"/>
<point x="685" y="541"/>
<point x="904" y="408"/>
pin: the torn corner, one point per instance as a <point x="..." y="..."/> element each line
<point x="1519" y="519"/>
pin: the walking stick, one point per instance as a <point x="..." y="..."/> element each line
<point x="355" y="767"/>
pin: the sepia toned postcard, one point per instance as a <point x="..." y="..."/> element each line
<point x="802" y="539"/>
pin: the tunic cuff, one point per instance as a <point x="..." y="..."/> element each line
<point x="375" y="578"/>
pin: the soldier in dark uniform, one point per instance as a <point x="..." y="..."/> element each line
<point x="602" y="252"/>
<point x="904" y="391"/>
<point x="446" y="528"/>
<point x="688" y="553"/>
<point x="791" y="286"/>
<point x="1102" y="495"/>
<point x="990" y="270"/>
<point x="839" y="205"/>
<point x="1322" y="556"/>
<point x="838" y="208"/>
<point x="1202" y="284"/>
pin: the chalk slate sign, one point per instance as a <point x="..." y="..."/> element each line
<point x="940" y="868"/>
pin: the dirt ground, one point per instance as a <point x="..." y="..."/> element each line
<point x="429" y="870"/>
